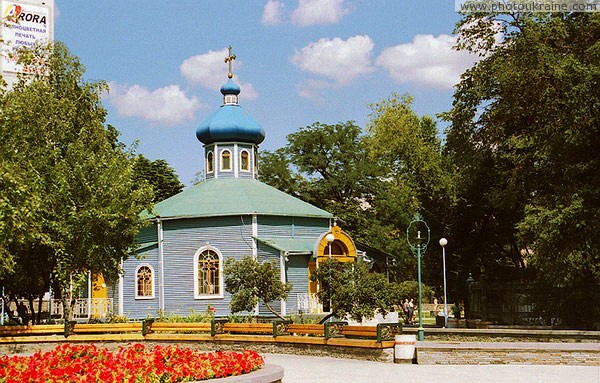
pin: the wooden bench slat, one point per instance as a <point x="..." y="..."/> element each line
<point x="161" y="325"/>
<point x="361" y="328"/>
<point x="304" y="327"/>
<point x="104" y="328"/>
<point x="178" y="337"/>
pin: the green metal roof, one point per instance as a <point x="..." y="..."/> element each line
<point x="292" y="245"/>
<point x="233" y="196"/>
<point x="145" y="246"/>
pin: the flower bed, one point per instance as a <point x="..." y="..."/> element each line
<point x="132" y="364"/>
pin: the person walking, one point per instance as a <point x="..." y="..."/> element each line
<point x="405" y="310"/>
<point x="411" y="311"/>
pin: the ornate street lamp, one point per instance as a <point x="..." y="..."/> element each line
<point x="330" y="239"/>
<point x="443" y="243"/>
<point x="418" y="241"/>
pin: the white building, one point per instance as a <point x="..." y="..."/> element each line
<point x="24" y="23"/>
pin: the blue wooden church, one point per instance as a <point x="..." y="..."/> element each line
<point x="231" y="214"/>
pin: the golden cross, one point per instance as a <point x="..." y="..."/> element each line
<point x="229" y="59"/>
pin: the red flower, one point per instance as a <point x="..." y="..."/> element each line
<point x="135" y="363"/>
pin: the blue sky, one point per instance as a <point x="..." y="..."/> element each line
<point x="298" y="62"/>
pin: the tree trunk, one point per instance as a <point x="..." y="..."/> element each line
<point x="326" y="317"/>
<point x="38" y="319"/>
<point x="273" y="311"/>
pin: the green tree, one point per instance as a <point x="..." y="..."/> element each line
<point x="410" y="290"/>
<point x="250" y="282"/>
<point x="326" y="165"/>
<point x="524" y="135"/>
<point x="349" y="289"/>
<point x="275" y="171"/>
<point x="416" y="177"/>
<point x="85" y="202"/>
<point x="158" y="174"/>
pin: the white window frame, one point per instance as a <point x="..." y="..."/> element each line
<point x="153" y="280"/>
<point x="196" y="275"/>
<point x="249" y="161"/>
<point x="231" y="163"/>
<point x="213" y="162"/>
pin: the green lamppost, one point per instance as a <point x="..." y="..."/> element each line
<point x="418" y="241"/>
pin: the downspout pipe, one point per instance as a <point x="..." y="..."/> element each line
<point x="161" y="273"/>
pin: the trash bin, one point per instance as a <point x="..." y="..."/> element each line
<point x="404" y="349"/>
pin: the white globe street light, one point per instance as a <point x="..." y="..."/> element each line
<point x="443" y="243"/>
<point x="330" y="238"/>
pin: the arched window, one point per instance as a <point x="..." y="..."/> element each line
<point x="210" y="162"/>
<point x="245" y="161"/>
<point x="208" y="283"/>
<point x="144" y="288"/>
<point x="225" y="160"/>
<point x="337" y="249"/>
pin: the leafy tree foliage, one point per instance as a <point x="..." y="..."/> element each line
<point x="524" y="138"/>
<point x="410" y="290"/>
<point x="158" y="174"/>
<point x="327" y="166"/>
<point x="250" y="282"/>
<point x="416" y="178"/>
<point x="275" y="171"/>
<point x="375" y="182"/>
<point x="351" y="290"/>
<point x="69" y="201"/>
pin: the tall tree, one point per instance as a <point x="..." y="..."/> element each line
<point x="327" y="166"/>
<point x="162" y="177"/>
<point x="415" y="178"/>
<point x="524" y="136"/>
<point x="53" y="137"/>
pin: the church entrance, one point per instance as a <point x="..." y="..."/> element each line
<point x="336" y="245"/>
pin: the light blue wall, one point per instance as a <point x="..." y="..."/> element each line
<point x="141" y="308"/>
<point x="232" y="237"/>
<point x="266" y="253"/>
<point x="274" y="226"/>
<point x="297" y="274"/>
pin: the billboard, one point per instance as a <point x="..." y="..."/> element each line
<point x="24" y="23"/>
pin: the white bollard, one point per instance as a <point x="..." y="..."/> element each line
<point x="404" y="348"/>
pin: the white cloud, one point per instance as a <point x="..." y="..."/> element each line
<point x="428" y="61"/>
<point x="273" y="13"/>
<point x="210" y="71"/>
<point x="335" y="58"/>
<point x="168" y="106"/>
<point x="319" y="12"/>
<point x="207" y="70"/>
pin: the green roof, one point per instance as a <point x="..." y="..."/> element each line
<point x="233" y="196"/>
<point x="290" y="244"/>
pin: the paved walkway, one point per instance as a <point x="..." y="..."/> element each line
<point x="300" y="369"/>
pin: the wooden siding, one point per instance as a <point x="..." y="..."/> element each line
<point x="274" y="226"/>
<point x="140" y="308"/>
<point x="147" y="234"/>
<point x="267" y="253"/>
<point x="231" y="236"/>
<point x="309" y="227"/>
<point x="269" y="226"/>
<point x="297" y="274"/>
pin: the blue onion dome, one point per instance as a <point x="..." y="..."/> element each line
<point x="230" y="87"/>
<point x="230" y="123"/>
